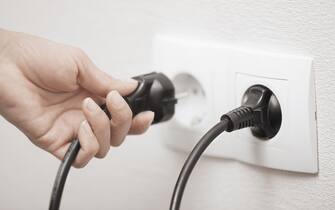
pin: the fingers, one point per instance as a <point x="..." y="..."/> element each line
<point x="96" y="81"/>
<point x="114" y="132"/>
<point x="89" y="145"/>
<point x="141" y="122"/>
<point x="95" y="140"/>
<point x="100" y="125"/>
<point x="97" y="132"/>
<point x="121" y="117"/>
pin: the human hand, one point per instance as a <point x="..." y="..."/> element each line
<point x="51" y="93"/>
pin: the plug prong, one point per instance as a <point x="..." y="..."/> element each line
<point x="182" y="95"/>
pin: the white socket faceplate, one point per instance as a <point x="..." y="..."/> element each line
<point x="224" y="74"/>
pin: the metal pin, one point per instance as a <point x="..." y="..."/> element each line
<point x="182" y="95"/>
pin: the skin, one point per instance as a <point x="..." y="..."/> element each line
<point x="51" y="92"/>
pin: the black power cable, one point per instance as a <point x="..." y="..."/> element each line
<point x="192" y="160"/>
<point x="62" y="173"/>
<point x="260" y="111"/>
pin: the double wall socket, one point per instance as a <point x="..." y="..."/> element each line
<point x="214" y="77"/>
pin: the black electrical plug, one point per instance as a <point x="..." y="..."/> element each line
<point x="155" y="92"/>
<point x="260" y="110"/>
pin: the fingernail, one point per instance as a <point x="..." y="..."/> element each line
<point x="91" y="105"/>
<point x="116" y="99"/>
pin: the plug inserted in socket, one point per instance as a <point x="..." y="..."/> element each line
<point x="224" y="74"/>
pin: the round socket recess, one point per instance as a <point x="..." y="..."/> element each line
<point x="191" y="106"/>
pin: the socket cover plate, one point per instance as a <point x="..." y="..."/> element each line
<point x="224" y="73"/>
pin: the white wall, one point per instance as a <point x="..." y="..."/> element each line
<point x="140" y="175"/>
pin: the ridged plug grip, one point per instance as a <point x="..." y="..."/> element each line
<point x="260" y="110"/>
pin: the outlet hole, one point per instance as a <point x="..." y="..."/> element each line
<point x="192" y="106"/>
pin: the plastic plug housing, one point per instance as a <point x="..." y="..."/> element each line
<point x="260" y="110"/>
<point x="155" y="92"/>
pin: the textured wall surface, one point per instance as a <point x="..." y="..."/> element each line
<point x="141" y="173"/>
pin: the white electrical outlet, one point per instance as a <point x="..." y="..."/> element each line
<point x="215" y="77"/>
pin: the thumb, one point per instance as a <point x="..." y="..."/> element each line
<point x="91" y="78"/>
